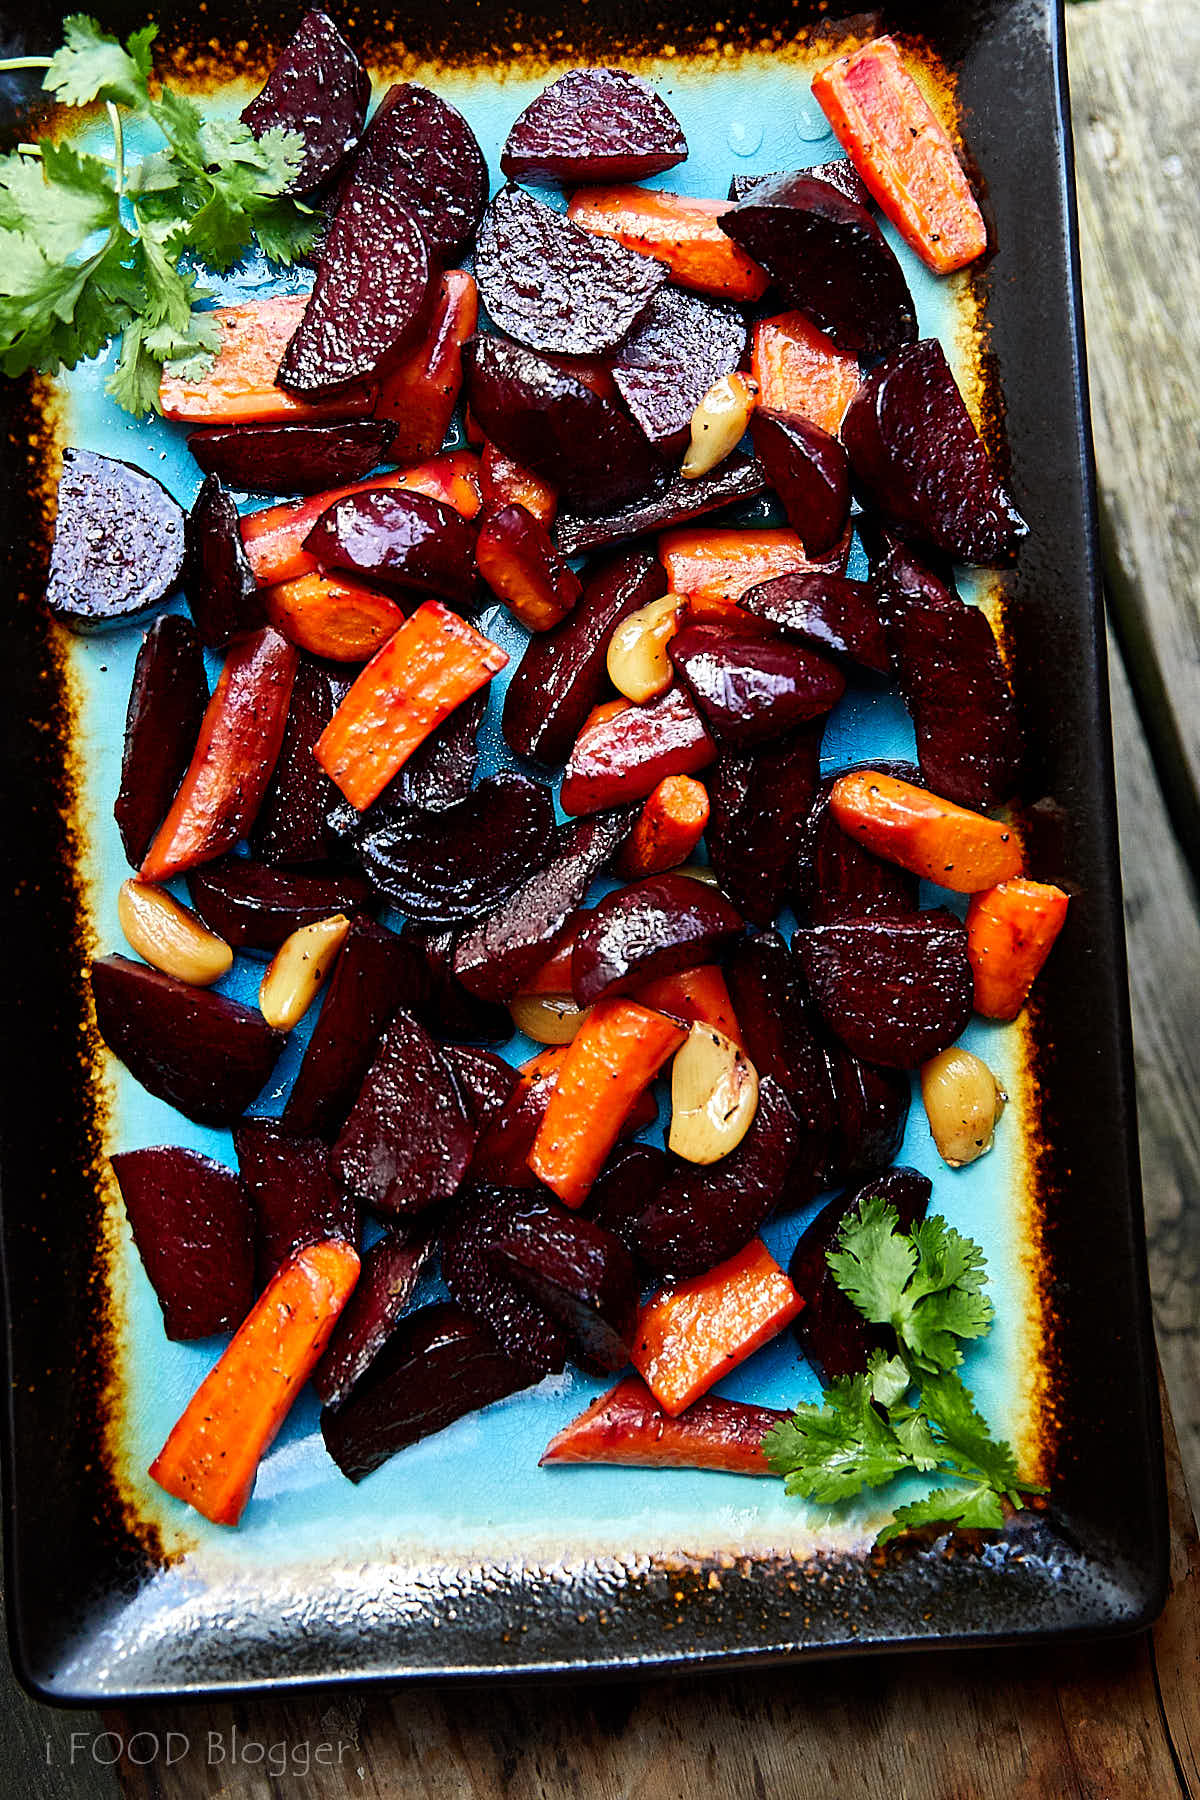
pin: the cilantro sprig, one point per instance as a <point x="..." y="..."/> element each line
<point x="909" y="1412"/>
<point x="94" y="248"/>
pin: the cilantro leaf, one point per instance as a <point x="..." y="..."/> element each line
<point x="57" y="200"/>
<point x="927" y="1284"/>
<point x="966" y="1440"/>
<point x="833" y="1451"/>
<point x="874" y="1262"/>
<point x="91" y="65"/>
<point x="970" y="1509"/>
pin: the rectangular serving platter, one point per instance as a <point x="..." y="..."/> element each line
<point x="461" y="1557"/>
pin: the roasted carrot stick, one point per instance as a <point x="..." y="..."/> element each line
<point x="525" y="568"/>
<point x="211" y="1458"/>
<point x="723" y="562"/>
<point x="240" y="387"/>
<point x="690" y="1335"/>
<point x="241" y="736"/>
<point x="429" y="666"/>
<point x="695" y="996"/>
<point x="420" y="393"/>
<point x="506" y="483"/>
<point x="681" y="232"/>
<point x="628" y="1426"/>
<point x="333" y="616"/>
<point x="908" y="825"/>
<point x="902" y="151"/>
<point x="671" y="825"/>
<point x="1011" y="929"/>
<point x="799" y="370"/>
<point x="613" y="1058"/>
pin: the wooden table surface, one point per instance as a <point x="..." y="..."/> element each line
<point x="1105" y="1722"/>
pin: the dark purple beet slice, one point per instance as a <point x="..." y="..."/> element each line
<point x="419" y="150"/>
<point x="918" y="458"/>
<point x="438" y="774"/>
<point x="291" y="1188"/>
<point x="829" y="257"/>
<point x="596" y="125"/>
<point x="671" y="501"/>
<point x="841" y="878"/>
<point x="624" y="1188"/>
<point x="871" y="1106"/>
<point x="292" y="824"/>
<point x="406" y="540"/>
<point x="201" y="1052"/>
<point x="840" y="174"/>
<point x="772" y="1007"/>
<point x="485" y="1081"/>
<point x="751" y="685"/>
<point x="376" y="972"/>
<point x="390" y="1271"/>
<point x="581" y="1274"/>
<point x="651" y="928"/>
<point x="441" y="868"/>
<point x="703" y="1214"/>
<point x="682" y="344"/>
<point x="553" y="423"/>
<point x="319" y="88"/>
<point x="195" y="1235"/>
<point x="810" y="472"/>
<point x="291" y="459"/>
<point x="166" y="706"/>
<point x="830" y="612"/>
<point x="760" y="803"/>
<point x="372" y="297"/>
<point x="551" y="285"/>
<point x="498" y="954"/>
<point x="452" y="1010"/>
<point x="893" y="990"/>
<point x="408" y="1139"/>
<point x="118" y="542"/>
<point x="562" y="673"/>
<point x="832" y="1333"/>
<point x="437" y="1365"/>
<point x="521" y="1325"/>
<point x="255" y="907"/>
<point x="969" y="741"/>
<point x="222" y="595"/>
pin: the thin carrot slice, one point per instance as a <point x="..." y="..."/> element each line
<point x="613" y="1058"/>
<point x="671" y="825"/>
<point x="905" y="824"/>
<point x="419" y="395"/>
<point x="690" y="1335"/>
<point x="1011" y="930"/>
<point x="240" y="387"/>
<point x="627" y="1426"/>
<point x="723" y="563"/>
<point x="429" y="666"/>
<point x="682" y="232"/>
<point x="211" y="1458"/>
<point x="904" y="154"/>
<point x="333" y="616"/>
<point x="696" y="997"/>
<point x="799" y="370"/>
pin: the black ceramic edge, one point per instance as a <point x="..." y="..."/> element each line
<point x="1095" y="1565"/>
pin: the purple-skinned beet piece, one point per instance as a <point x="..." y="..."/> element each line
<point x="194" y="1232"/>
<point x="118" y="543"/>
<point x="291" y="459"/>
<point x="840" y="173"/>
<point x="222" y="595"/>
<point x="166" y="707"/>
<point x="438" y="774"/>
<point x="810" y="472"/>
<point x="485" y="1080"/>
<point x="403" y="539"/>
<point x="291" y="1188"/>
<point x="453" y="1011"/>
<point x="293" y="821"/>
<point x="682" y="344"/>
<point x="318" y="88"/>
<point x="893" y="990"/>
<point x="419" y="149"/>
<point x="840" y="877"/>
<point x="760" y="802"/>
<point x="521" y="1325"/>
<point x="774" y="1013"/>
<point x="649" y="929"/>
<point x="624" y="1188"/>
<point x="594" y="125"/>
<point x="673" y="500"/>
<point x="255" y="907"/>
<point x="833" y="614"/>
<point x="751" y="685"/>
<point x="390" y="1271"/>
<point x="871" y="1106"/>
<point x="581" y="1273"/>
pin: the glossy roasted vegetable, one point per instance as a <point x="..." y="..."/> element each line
<point x="893" y="990"/>
<point x="221" y="592"/>
<point x="681" y="345"/>
<point x="319" y="89"/>
<point x="241" y="387"/>
<point x="672" y="500"/>
<point x="418" y="394"/>
<point x="166" y="709"/>
<point x="685" y="233"/>
<point x="581" y="1273"/>
<point x="480" y="1283"/>
<point x="420" y="151"/>
<point x="751" y="685"/>
<point x="299" y="458"/>
<point x="292" y="824"/>
<point x="841" y="877"/>
<point x="630" y="1428"/>
<point x="520" y="563"/>
<point x="193" y="1230"/>
<point x="760" y="807"/>
<point x="255" y="907"/>
<point x="654" y="927"/>
<point x="390" y="1271"/>
<point x="594" y="125"/>
<point x="626" y="751"/>
<point x="291" y="1189"/>
<point x="951" y="845"/>
<point x="118" y="543"/>
<point x="809" y="471"/>
<point x="828" y="612"/>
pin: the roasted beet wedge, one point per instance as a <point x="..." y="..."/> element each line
<point x="756" y="828"/>
<point x="624" y="1188"/>
<point x="391" y="1269"/>
<point x="751" y="685"/>
<point x="221" y="592"/>
<point x="831" y="1331"/>
<point x="291" y="459"/>
<point x="578" y="1271"/>
<point x="834" y="615"/>
<point x="441" y="868"/>
<point x="554" y="287"/>
<point x="682" y="344"/>
<point x="594" y="125"/>
<point x="408" y="1139"/>
<point x="401" y="538"/>
<point x="562" y="674"/>
<point x="319" y="89"/>
<point x="376" y="972"/>
<point x="556" y="425"/>
<point x="624" y="756"/>
<point x="438" y="1364"/>
<point x="502" y="1154"/>
<point x="671" y="501"/>
<point x="118" y="543"/>
<point x="291" y="1188"/>
<point x="254" y="907"/>
<point x="841" y="878"/>
<point x="701" y="1215"/>
<point x="650" y="928"/>
<point x="194" y="1232"/>
<point x="840" y="174"/>
<point x="520" y="563"/>
<point x="166" y="707"/>
<point x="521" y="1325"/>
<point x="485" y="1081"/>
<point x="454" y="1011"/>
<point x="501" y="952"/>
<point x="421" y="150"/>
<point x="892" y="990"/>
<point x="810" y="472"/>
<point x="292" y="824"/>
<point x="918" y="458"/>
<point x="200" y="1052"/>
<point x="766" y="984"/>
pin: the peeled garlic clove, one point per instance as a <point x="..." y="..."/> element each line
<point x="638" y="664"/>
<point x="297" y="970"/>
<point x="698" y="872"/>
<point x="169" y="937"/>
<point x="714" y="1096"/>
<point x="547" y="1018"/>
<point x="963" y="1103"/>
<point x="719" y="423"/>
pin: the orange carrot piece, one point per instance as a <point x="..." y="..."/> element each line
<point x="1011" y="929"/>
<point x="905" y="824"/>
<point x="696" y="997"/>
<point x="690" y="1335"/>
<point x="904" y="154"/>
<point x="711" y="609"/>
<point x="723" y="562"/>
<point x="627" y="1426"/>
<point x="799" y="370"/>
<point x="682" y="232"/>
<point x="671" y="825"/>
<point x="211" y="1458"/>
<point x="429" y="666"/>
<point x="505" y="483"/>
<point x="240" y="387"/>
<point x="613" y="1058"/>
<point x="419" y="395"/>
<point x="240" y="738"/>
<point x="333" y="616"/>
